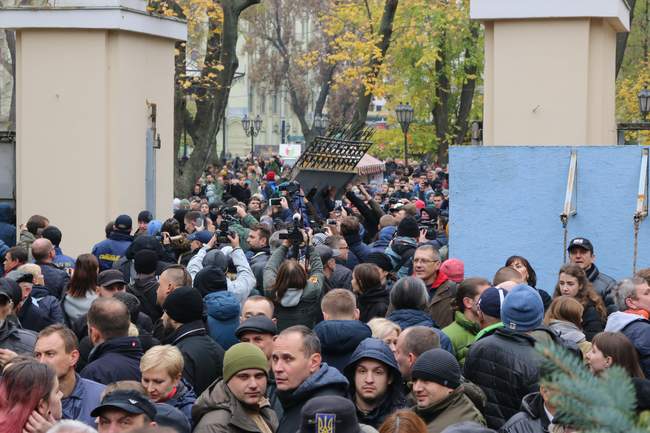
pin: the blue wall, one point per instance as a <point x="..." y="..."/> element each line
<point x="507" y="200"/>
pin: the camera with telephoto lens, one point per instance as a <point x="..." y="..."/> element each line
<point x="289" y="187"/>
<point x="222" y="232"/>
<point x="431" y="227"/>
<point x="294" y="233"/>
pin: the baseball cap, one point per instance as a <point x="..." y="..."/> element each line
<point x="20" y="276"/>
<point x="123" y="222"/>
<point x="581" y="243"/>
<point x="202" y="236"/>
<point x="127" y="400"/>
<point x="10" y="290"/>
<point x="110" y="276"/>
<point x="326" y="253"/>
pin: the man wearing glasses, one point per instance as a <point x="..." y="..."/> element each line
<point x="426" y="266"/>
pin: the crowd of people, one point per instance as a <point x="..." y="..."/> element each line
<point x="260" y="307"/>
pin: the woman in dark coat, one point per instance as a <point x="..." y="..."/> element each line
<point x="372" y="296"/>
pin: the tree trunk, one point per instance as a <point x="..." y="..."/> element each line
<point x="467" y="92"/>
<point x="621" y="39"/>
<point x="441" y="107"/>
<point x="222" y="49"/>
<point x="11" y="43"/>
<point x="365" y="95"/>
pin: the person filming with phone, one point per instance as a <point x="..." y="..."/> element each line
<point x="295" y="285"/>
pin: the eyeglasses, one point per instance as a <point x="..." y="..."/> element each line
<point x="425" y="261"/>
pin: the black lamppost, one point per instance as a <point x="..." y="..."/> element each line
<point x="321" y="123"/>
<point x="644" y="109"/>
<point x="404" y="115"/>
<point x="252" y="128"/>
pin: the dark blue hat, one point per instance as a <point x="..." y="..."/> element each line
<point x="123" y="223"/>
<point x="129" y="401"/>
<point x="522" y="309"/>
<point x="202" y="236"/>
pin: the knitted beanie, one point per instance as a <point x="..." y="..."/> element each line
<point x="145" y="262"/>
<point x="408" y="227"/>
<point x="522" y="309"/>
<point x="243" y="356"/>
<point x="381" y="260"/>
<point x="184" y="305"/>
<point x="439" y="366"/>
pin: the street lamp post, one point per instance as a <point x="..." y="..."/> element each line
<point x="321" y="123"/>
<point x="404" y="115"/>
<point x="644" y="109"/>
<point x="252" y="128"/>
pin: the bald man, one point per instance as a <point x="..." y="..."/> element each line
<point x="56" y="280"/>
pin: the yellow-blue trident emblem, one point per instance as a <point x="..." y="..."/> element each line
<point x="325" y="423"/>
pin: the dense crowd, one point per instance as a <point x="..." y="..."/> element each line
<point x="260" y="307"/>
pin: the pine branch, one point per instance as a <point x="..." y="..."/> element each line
<point x="588" y="403"/>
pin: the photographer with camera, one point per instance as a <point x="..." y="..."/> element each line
<point x="296" y="291"/>
<point x="206" y="280"/>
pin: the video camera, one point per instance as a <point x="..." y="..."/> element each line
<point x="223" y="230"/>
<point x="289" y="187"/>
<point x="294" y="235"/>
<point x="431" y="227"/>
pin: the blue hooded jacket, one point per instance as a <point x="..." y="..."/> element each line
<point x="406" y="318"/>
<point x="339" y="338"/>
<point x="7" y="229"/>
<point x="373" y="348"/>
<point x="223" y="317"/>
<point x="385" y="236"/>
<point x="184" y="399"/>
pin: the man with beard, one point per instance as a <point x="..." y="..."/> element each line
<point x="375" y="382"/>
<point x="184" y="328"/>
<point x="259" y="253"/>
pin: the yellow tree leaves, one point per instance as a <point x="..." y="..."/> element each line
<point x="627" y="102"/>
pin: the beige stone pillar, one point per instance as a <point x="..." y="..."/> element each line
<point x="550" y="70"/>
<point x="87" y="72"/>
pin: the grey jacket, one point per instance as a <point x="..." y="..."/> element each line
<point x="243" y="283"/>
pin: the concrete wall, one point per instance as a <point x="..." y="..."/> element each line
<point x="81" y="127"/>
<point x="549" y="82"/>
<point x="507" y="200"/>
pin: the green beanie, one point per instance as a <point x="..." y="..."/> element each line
<point x="243" y="356"/>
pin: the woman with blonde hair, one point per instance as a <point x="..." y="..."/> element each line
<point x="564" y="317"/>
<point x="162" y="371"/>
<point x="385" y="330"/>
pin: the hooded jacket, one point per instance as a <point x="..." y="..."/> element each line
<point x="531" y="419"/>
<point x="113" y="360"/>
<point x="183" y="399"/>
<point x="203" y="356"/>
<point x="637" y="329"/>
<point x="401" y="251"/>
<point x="223" y="317"/>
<point x="462" y="332"/>
<point x="16" y="339"/>
<point x="455" y="408"/>
<point x="299" y="305"/>
<point x="62" y="261"/>
<point x="339" y="338"/>
<point x="218" y="411"/>
<point x="110" y="250"/>
<point x="326" y="381"/>
<point x="506" y="366"/>
<point x="372" y="348"/>
<point x="406" y="318"/>
<point x="385" y="236"/>
<point x="39" y="310"/>
<point x="373" y="303"/>
<point x="144" y="287"/>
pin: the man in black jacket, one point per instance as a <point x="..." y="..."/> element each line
<point x="300" y="375"/>
<point x="115" y="355"/>
<point x="505" y="364"/>
<point x="37" y="309"/>
<point x="184" y="328"/>
<point x="56" y="280"/>
<point x="145" y="285"/>
<point x="581" y="253"/>
<point x="13" y="339"/>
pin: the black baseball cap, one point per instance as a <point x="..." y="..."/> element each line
<point x="581" y="243"/>
<point x="127" y="400"/>
<point x="110" y="276"/>
<point x="10" y="290"/>
<point x="123" y="222"/>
